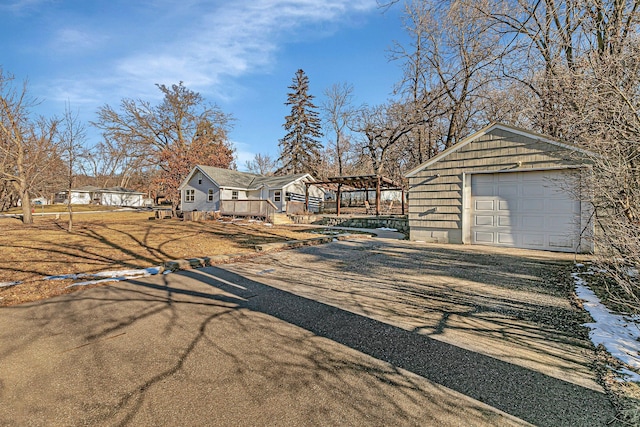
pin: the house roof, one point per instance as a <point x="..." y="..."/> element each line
<point x="228" y="178"/>
<point x="488" y="129"/>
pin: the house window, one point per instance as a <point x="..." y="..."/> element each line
<point x="234" y="195"/>
<point x="199" y="179"/>
<point x="210" y="195"/>
<point x="190" y="195"/>
<point x="277" y="196"/>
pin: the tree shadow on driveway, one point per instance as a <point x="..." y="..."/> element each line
<point x="524" y="393"/>
<point x="227" y="347"/>
<point x="196" y="349"/>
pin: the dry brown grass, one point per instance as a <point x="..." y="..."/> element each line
<point x="109" y="241"/>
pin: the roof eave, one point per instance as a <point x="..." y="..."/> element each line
<point x="483" y="132"/>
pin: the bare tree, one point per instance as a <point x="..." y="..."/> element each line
<point x="173" y="136"/>
<point x="381" y="127"/>
<point x="113" y="162"/>
<point x="72" y="137"/>
<point x="262" y="164"/>
<point x="450" y="61"/>
<point x="338" y="112"/>
<point x="27" y="146"/>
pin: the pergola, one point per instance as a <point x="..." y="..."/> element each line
<point x="359" y="182"/>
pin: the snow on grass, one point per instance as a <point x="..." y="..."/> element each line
<point x="108" y="276"/>
<point x="8" y="284"/>
<point x="121" y="274"/>
<point x="143" y="272"/>
<point x="619" y="334"/>
<point x="387" y="229"/>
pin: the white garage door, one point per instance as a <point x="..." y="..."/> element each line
<point x="525" y="210"/>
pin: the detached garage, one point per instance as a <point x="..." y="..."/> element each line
<point x="503" y="186"/>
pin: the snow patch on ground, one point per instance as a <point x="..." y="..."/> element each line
<point x="619" y="334"/>
<point x="108" y="276"/>
<point x="8" y="284"/>
<point x="119" y="274"/>
<point x="387" y="229"/>
<point x="143" y="272"/>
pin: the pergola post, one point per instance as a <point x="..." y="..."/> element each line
<point x="402" y="200"/>
<point x="306" y="196"/>
<point x="378" y="196"/>
<point x="338" y="200"/>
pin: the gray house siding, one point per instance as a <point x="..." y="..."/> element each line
<point x="437" y="192"/>
<point x="201" y="185"/>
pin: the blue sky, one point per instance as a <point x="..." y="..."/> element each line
<point x="239" y="54"/>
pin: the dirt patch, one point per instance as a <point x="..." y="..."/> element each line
<point x="111" y="241"/>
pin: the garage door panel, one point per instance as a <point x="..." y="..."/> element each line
<point x="563" y="206"/>
<point x="506" y="221"/>
<point x="506" y="177"/>
<point x="508" y="190"/>
<point x="506" y="239"/>
<point x="524" y="209"/>
<point x="480" y="190"/>
<point x="482" y="220"/>
<point x="560" y="241"/>
<point x="556" y="223"/>
<point x="532" y="189"/>
<point x="505" y="205"/>
<point x="483" y="237"/>
<point x="532" y="205"/>
<point x="532" y="222"/>
<point x="484" y="205"/>
<point x="535" y="240"/>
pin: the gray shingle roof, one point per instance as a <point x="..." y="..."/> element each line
<point x="230" y="178"/>
<point x="236" y="179"/>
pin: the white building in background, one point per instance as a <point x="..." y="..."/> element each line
<point x="112" y="196"/>
<point x="39" y="201"/>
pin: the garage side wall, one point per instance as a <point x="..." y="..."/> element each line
<point x="436" y="192"/>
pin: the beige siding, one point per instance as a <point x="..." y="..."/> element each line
<point x="435" y="193"/>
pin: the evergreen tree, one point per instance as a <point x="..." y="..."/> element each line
<point x="300" y="147"/>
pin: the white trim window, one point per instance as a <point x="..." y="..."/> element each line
<point x="210" y="195"/>
<point x="277" y="196"/>
<point x="234" y="195"/>
<point x="189" y="195"/>
<point x="199" y="179"/>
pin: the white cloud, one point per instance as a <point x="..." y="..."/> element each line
<point x="207" y="45"/>
<point x="22" y="6"/>
<point x="232" y="39"/>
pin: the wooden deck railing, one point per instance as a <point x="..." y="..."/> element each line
<point x="258" y="208"/>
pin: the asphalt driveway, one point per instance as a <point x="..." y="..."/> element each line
<point x="373" y="332"/>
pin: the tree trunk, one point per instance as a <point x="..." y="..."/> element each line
<point x="27" y="217"/>
<point x="70" y="210"/>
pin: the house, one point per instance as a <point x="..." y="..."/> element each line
<point x="205" y="187"/>
<point x="113" y="196"/>
<point x="503" y="186"/>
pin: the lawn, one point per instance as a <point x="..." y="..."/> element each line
<point x="111" y="241"/>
